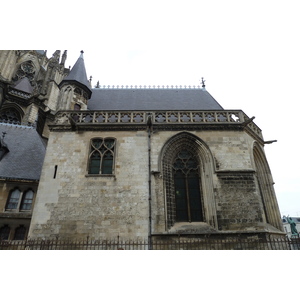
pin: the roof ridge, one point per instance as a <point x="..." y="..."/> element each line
<point x="149" y="87"/>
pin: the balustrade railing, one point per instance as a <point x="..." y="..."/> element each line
<point x="157" y="117"/>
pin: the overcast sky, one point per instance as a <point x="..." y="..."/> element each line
<point x="247" y="51"/>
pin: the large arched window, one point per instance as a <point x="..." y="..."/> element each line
<point x="266" y="189"/>
<point x="187" y="168"/>
<point x="187" y="188"/>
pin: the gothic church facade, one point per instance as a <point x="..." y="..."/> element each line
<point x="134" y="162"/>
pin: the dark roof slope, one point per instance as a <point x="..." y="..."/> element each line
<point x="24" y="86"/>
<point x="152" y="99"/>
<point x="26" y="153"/>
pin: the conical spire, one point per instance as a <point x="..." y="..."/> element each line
<point x="78" y="75"/>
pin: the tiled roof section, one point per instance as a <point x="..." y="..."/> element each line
<point x="42" y="52"/>
<point x="24" y="86"/>
<point x="78" y="74"/>
<point x="26" y="153"/>
<point x="152" y="99"/>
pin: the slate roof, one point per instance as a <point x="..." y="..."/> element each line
<point x="24" y="86"/>
<point x="42" y="52"/>
<point x="152" y="99"/>
<point x="26" y="153"/>
<point x="78" y="75"/>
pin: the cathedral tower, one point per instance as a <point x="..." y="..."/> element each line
<point x="29" y="86"/>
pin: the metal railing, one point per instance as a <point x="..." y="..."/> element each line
<point x="175" y="243"/>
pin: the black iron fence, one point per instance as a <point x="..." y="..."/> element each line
<point x="175" y="243"/>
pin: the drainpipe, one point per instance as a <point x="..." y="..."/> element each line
<point x="149" y="129"/>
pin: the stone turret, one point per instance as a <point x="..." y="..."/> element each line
<point x="75" y="88"/>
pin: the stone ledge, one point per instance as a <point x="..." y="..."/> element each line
<point x="15" y="215"/>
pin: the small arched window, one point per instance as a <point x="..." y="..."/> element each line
<point x="4" y="232"/>
<point x="13" y="199"/>
<point x="27" y="200"/>
<point x="101" y="158"/>
<point x="20" y="233"/>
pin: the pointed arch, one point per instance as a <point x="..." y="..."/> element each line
<point x="201" y="162"/>
<point x="13" y="199"/>
<point x="265" y="184"/>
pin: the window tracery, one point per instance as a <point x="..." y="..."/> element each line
<point x="10" y="115"/>
<point x="26" y="69"/>
<point x="101" y="157"/>
<point x="187" y="169"/>
<point x="187" y="188"/>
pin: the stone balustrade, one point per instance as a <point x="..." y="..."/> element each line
<point x="221" y="117"/>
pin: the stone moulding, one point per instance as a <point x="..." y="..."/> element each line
<point x="163" y="120"/>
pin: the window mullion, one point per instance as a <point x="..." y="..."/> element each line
<point x="20" y="200"/>
<point x="101" y="162"/>
<point x="188" y="198"/>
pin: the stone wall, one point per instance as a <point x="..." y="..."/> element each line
<point x="239" y="203"/>
<point x="72" y="204"/>
<point x="75" y="204"/>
